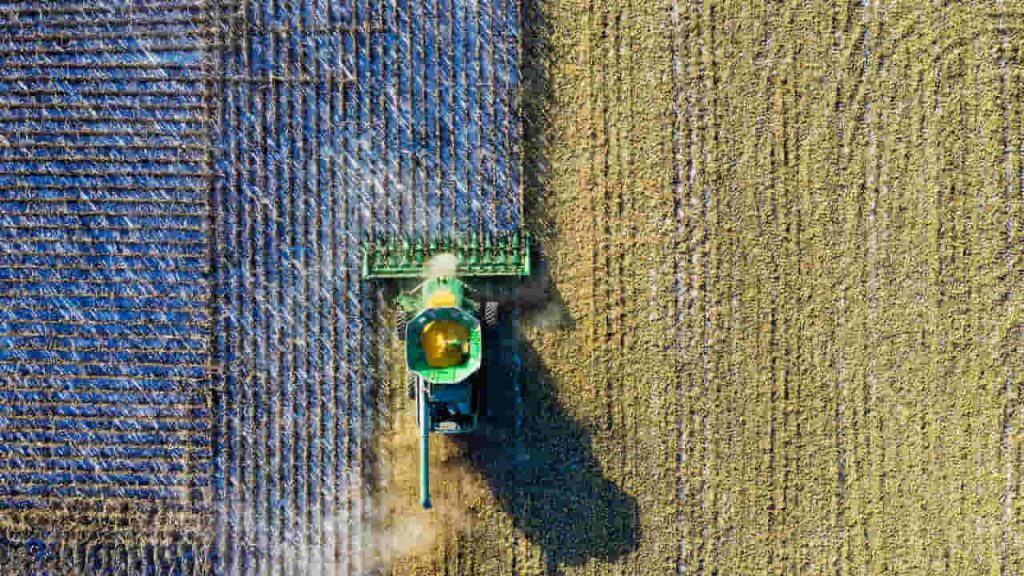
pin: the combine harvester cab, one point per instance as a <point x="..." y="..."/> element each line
<point x="443" y="352"/>
<point x="441" y="326"/>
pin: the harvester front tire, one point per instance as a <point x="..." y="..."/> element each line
<point x="491" y="314"/>
<point x="401" y="321"/>
<point x="410" y="385"/>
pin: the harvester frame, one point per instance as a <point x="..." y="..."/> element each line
<point x="441" y="326"/>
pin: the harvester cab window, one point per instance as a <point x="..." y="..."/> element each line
<point x="445" y="343"/>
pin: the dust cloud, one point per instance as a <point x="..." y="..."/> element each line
<point x="403" y="533"/>
<point x="439" y="265"/>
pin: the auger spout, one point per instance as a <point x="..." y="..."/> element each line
<point x="424" y="446"/>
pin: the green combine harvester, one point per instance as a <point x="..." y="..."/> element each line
<point x="440" y="323"/>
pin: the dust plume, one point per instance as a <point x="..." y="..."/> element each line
<point x="404" y="534"/>
<point x="552" y="317"/>
<point x="444" y="264"/>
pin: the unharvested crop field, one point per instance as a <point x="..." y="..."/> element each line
<point x="785" y="244"/>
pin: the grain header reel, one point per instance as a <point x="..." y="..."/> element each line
<point x="440" y="318"/>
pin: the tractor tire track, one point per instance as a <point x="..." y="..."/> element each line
<point x="1012" y="454"/>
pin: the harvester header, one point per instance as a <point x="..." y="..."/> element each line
<point x="479" y="255"/>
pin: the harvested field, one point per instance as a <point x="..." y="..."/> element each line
<point x="785" y="243"/>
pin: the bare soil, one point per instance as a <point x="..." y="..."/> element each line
<point x="785" y="326"/>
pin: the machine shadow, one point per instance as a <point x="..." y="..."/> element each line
<point x="539" y="464"/>
<point x="536" y="458"/>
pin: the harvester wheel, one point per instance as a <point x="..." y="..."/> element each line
<point x="491" y="310"/>
<point x="410" y="384"/>
<point x="401" y="320"/>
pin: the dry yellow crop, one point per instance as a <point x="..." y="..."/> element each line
<point x="785" y="245"/>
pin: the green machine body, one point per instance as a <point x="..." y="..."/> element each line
<point x="441" y="326"/>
